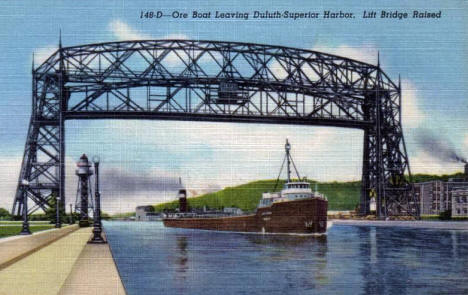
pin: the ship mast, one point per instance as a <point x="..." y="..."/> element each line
<point x="287" y="147"/>
<point x="289" y="160"/>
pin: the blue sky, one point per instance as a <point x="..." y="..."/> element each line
<point x="430" y="55"/>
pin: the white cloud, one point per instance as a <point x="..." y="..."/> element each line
<point x="176" y="36"/>
<point x="43" y="53"/>
<point x="465" y="142"/>
<point x="365" y="53"/>
<point x="412" y="115"/>
<point x="8" y="180"/>
<point x="122" y="31"/>
<point x="280" y="72"/>
<point x="424" y="162"/>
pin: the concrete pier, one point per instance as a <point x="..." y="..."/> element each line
<point x="14" y="248"/>
<point x="58" y="262"/>
<point x="94" y="273"/>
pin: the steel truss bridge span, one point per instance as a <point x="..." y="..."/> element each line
<point x="215" y="81"/>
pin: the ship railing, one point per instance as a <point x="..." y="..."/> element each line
<point x="195" y="215"/>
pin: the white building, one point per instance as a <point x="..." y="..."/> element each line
<point x="233" y="211"/>
<point x="436" y="196"/>
<point x="146" y="213"/>
<point x="460" y="203"/>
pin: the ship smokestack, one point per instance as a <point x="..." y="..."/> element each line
<point x="183" y="201"/>
<point x="182" y="198"/>
<point x="287" y="148"/>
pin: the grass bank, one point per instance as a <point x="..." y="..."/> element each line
<point x="11" y="230"/>
<point x="20" y="222"/>
<point x="341" y="196"/>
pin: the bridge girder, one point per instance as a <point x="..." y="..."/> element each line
<point x="187" y="80"/>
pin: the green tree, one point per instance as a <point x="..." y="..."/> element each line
<point x="106" y="216"/>
<point x="37" y="217"/>
<point x="445" y="215"/>
<point x="4" y="214"/>
<point x="51" y="212"/>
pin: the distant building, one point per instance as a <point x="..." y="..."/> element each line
<point x="437" y="196"/>
<point x="432" y="197"/>
<point x="460" y="203"/>
<point x="146" y="213"/>
<point x="233" y="211"/>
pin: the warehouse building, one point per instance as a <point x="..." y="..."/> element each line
<point x="146" y="213"/>
<point x="439" y="196"/>
<point x="460" y="203"/>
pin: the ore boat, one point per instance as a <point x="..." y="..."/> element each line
<point x="296" y="209"/>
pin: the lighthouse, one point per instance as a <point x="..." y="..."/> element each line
<point x="83" y="197"/>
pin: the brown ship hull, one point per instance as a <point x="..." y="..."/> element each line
<point x="306" y="216"/>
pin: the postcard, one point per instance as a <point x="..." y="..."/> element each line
<point x="207" y="147"/>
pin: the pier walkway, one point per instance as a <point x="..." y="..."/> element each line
<point x="67" y="266"/>
<point x="94" y="273"/>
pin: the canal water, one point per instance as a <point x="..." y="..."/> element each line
<point x="350" y="260"/>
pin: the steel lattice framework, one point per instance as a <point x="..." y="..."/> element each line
<point x="215" y="81"/>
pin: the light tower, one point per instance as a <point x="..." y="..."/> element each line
<point x="83" y="195"/>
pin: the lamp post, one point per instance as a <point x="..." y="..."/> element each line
<point x="25" y="230"/>
<point x="58" y="223"/>
<point x="97" y="230"/>
<point x="71" y="214"/>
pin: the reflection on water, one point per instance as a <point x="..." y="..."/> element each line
<point x="349" y="260"/>
<point x="180" y="263"/>
<point x="182" y="254"/>
<point x="285" y="240"/>
<point x="409" y="260"/>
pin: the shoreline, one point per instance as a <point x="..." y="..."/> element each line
<point x="446" y="225"/>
